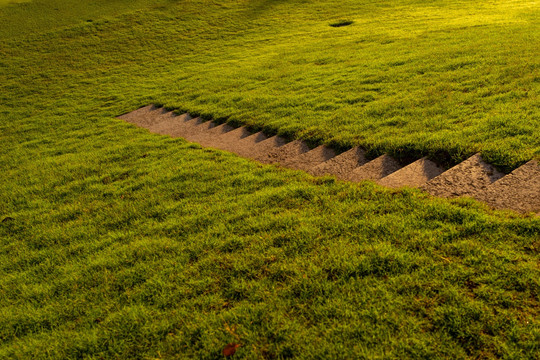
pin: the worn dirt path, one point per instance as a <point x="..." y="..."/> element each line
<point x="519" y="190"/>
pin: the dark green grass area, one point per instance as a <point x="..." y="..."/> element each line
<point x="117" y="243"/>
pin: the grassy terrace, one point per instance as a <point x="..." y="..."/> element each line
<point x="116" y="243"/>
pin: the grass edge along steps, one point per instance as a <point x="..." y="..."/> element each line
<point x="519" y="190"/>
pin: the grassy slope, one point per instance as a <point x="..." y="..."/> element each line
<point x="441" y="78"/>
<point x="25" y="17"/>
<point x="9" y="2"/>
<point x="119" y="243"/>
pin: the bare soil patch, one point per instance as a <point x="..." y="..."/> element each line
<point x="170" y="124"/>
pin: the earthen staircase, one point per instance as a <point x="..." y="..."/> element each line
<point x="519" y="190"/>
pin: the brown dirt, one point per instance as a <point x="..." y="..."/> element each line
<point x="307" y="161"/>
<point x="192" y="129"/>
<point x="163" y="122"/>
<point x="229" y="140"/>
<point x="468" y="178"/>
<point x="262" y="149"/>
<point x="376" y="169"/>
<point x="519" y="190"/>
<point x="415" y="174"/>
<point x="207" y="138"/>
<point x="132" y="116"/>
<point x="342" y="165"/>
<point x="144" y="117"/>
<point x="246" y="147"/>
<point x="170" y="124"/>
<point x="288" y="151"/>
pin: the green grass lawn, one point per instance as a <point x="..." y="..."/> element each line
<point x="118" y="243"/>
<point x="8" y="2"/>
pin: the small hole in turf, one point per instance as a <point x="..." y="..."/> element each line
<point x="341" y="23"/>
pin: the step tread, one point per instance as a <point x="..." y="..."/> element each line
<point x="415" y="174"/>
<point x="342" y="164"/>
<point x="519" y="190"/>
<point x="308" y="160"/>
<point x="375" y="169"/>
<point x="468" y="178"/>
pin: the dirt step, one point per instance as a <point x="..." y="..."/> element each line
<point x="415" y="174"/>
<point x="207" y="138"/>
<point x="246" y="146"/>
<point x="342" y="165"/>
<point x="169" y="123"/>
<point x="192" y="129"/>
<point x="307" y="161"/>
<point x="519" y="190"/>
<point x="132" y="116"/>
<point x="288" y="151"/>
<point x="468" y="178"/>
<point x="375" y="169"/>
<point x="229" y="140"/>
<point x="262" y="150"/>
<point x="145" y="116"/>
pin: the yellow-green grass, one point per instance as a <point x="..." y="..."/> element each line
<point x="25" y="17"/>
<point x="7" y="2"/>
<point x="444" y="78"/>
<point x="117" y="243"/>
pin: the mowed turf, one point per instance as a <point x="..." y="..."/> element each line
<point x="444" y="78"/>
<point x="118" y="243"/>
